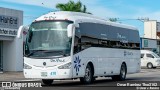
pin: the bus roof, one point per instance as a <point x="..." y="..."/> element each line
<point x="78" y="17"/>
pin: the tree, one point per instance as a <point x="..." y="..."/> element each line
<point x="113" y="19"/>
<point x="72" y="6"/>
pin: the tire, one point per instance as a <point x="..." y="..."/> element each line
<point x="149" y="65"/>
<point x="154" y="67"/>
<point x="88" y="78"/>
<point x="47" y="81"/>
<point x="122" y="75"/>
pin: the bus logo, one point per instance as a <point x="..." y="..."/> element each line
<point x="77" y="65"/>
<point x="57" y="60"/>
<point x="125" y="53"/>
<point x="44" y="63"/>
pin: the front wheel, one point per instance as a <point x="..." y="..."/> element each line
<point x="122" y="75"/>
<point x="149" y="65"/>
<point x="88" y="78"/>
<point x="47" y="81"/>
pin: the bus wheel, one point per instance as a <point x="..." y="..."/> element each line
<point x="122" y="75"/>
<point x="88" y="78"/>
<point x="47" y="81"/>
<point x="149" y="65"/>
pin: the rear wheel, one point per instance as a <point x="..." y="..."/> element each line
<point x="149" y="65"/>
<point x="88" y="78"/>
<point x="47" y="81"/>
<point x="122" y="75"/>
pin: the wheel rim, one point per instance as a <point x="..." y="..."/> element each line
<point x="87" y="74"/>
<point x="149" y="66"/>
<point x="123" y="72"/>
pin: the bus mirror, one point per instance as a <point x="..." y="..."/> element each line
<point x="70" y="30"/>
<point x="30" y="36"/>
<point x="21" y="30"/>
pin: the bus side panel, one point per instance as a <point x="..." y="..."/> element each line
<point x="107" y="47"/>
<point x="133" y="62"/>
<point x="78" y="65"/>
<point x="107" y="61"/>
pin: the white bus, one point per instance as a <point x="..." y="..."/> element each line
<point x="70" y="45"/>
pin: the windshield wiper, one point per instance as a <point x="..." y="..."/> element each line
<point x="62" y="53"/>
<point x="35" y="52"/>
<point x="59" y="52"/>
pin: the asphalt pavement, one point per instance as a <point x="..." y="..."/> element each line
<point x="14" y="76"/>
<point x="145" y="76"/>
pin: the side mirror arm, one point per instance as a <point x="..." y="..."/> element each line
<point x="20" y="31"/>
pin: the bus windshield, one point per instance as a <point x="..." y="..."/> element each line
<point x="48" y="39"/>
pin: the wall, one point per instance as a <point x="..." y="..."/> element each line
<point x="149" y="43"/>
<point x="150" y="29"/>
<point x="9" y="56"/>
<point x="13" y="55"/>
<point x="13" y="13"/>
<point x="12" y="46"/>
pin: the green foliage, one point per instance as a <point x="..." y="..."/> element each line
<point x="72" y="6"/>
<point x="113" y="19"/>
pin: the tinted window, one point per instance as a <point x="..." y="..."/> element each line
<point x="47" y="39"/>
<point x="100" y="35"/>
<point x="142" y="55"/>
<point x="150" y="56"/>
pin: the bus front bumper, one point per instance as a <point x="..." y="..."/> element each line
<point x="48" y="74"/>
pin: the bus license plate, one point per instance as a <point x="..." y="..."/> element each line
<point x="44" y="74"/>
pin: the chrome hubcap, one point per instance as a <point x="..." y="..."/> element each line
<point x="123" y="72"/>
<point x="149" y="65"/>
<point x="87" y="74"/>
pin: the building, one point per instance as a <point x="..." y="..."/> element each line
<point x="149" y="44"/>
<point x="152" y="33"/>
<point x="11" y="47"/>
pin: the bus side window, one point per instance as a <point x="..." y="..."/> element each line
<point x="77" y="45"/>
<point x="77" y="41"/>
<point x="137" y="45"/>
<point x="113" y="44"/>
<point x="133" y="45"/>
<point x="118" y="44"/>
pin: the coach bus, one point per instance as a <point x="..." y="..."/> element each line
<point x="71" y="45"/>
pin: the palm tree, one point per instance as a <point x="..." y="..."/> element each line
<point x="72" y="6"/>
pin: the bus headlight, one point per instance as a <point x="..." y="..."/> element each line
<point x="27" y="66"/>
<point x="65" y="66"/>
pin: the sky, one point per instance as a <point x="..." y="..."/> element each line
<point x="127" y="11"/>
